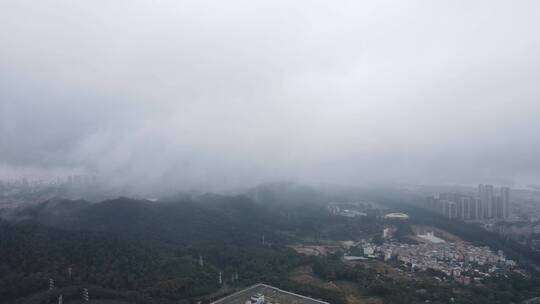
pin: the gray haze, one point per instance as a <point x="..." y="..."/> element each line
<point x="222" y="94"/>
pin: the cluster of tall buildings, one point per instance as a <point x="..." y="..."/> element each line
<point x="70" y="180"/>
<point x="78" y="180"/>
<point x="16" y="187"/>
<point x="486" y="204"/>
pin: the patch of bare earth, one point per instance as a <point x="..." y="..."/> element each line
<point x="308" y="250"/>
<point x="305" y="275"/>
<point x="443" y="234"/>
<point x="354" y="296"/>
<point x="385" y="269"/>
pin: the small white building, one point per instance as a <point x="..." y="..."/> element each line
<point x="368" y="250"/>
<point x="396" y="215"/>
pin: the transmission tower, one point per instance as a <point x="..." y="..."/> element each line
<point x="85" y="295"/>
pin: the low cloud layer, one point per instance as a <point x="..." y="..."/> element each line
<point x="209" y="94"/>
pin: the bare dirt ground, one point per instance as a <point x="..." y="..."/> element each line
<point x="353" y="295"/>
<point x="386" y="269"/>
<point x="351" y="292"/>
<point x="445" y="235"/>
<point x="305" y="275"/>
<point x="316" y="250"/>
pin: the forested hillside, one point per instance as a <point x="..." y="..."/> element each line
<point x="137" y="249"/>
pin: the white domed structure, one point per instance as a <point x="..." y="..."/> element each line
<point x="397" y="215"/>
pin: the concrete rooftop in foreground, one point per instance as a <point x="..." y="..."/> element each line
<point x="271" y="294"/>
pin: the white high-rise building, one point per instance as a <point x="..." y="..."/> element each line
<point x="481" y="201"/>
<point x="505" y="202"/>
<point x="485" y="195"/>
<point x="490" y="202"/>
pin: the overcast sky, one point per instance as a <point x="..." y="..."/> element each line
<point x="221" y="94"/>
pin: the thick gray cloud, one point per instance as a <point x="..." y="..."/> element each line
<point x="220" y="94"/>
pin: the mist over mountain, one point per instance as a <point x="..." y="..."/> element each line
<point x="269" y="152"/>
<point x="153" y="97"/>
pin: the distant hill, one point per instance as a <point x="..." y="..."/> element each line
<point x="205" y="218"/>
<point x="287" y="193"/>
<point x="149" y="248"/>
<point x="47" y="212"/>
